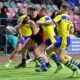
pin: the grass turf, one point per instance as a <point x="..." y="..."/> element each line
<point x="30" y="74"/>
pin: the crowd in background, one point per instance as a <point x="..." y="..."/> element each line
<point x="12" y="9"/>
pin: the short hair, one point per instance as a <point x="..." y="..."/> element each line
<point x="44" y="9"/>
<point x="32" y="9"/>
<point x="65" y="6"/>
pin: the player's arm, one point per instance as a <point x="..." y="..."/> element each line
<point x="46" y="23"/>
<point x="27" y="20"/>
<point x="34" y="26"/>
<point x="71" y="30"/>
<point x="22" y="23"/>
<point x="17" y="27"/>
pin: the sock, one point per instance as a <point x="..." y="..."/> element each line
<point x="27" y="57"/>
<point x="10" y="61"/>
<point x="48" y="65"/>
<point x="42" y="62"/>
<point x="73" y="61"/>
<point x="55" y="58"/>
<point x="68" y="64"/>
<point x="37" y="63"/>
<point x="23" y="61"/>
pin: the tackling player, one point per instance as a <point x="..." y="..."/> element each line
<point x="24" y="33"/>
<point x="37" y="38"/>
<point x="63" y="27"/>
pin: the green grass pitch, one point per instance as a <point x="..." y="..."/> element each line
<point x="29" y="73"/>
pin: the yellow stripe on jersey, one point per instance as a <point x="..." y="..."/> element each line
<point x="47" y="30"/>
<point x="26" y="29"/>
<point x="63" y="23"/>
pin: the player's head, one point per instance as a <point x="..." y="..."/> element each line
<point x="43" y="11"/>
<point x="32" y="11"/>
<point x="64" y="8"/>
<point x="55" y="13"/>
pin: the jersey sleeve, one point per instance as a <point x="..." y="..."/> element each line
<point x="45" y="19"/>
<point x="48" y="19"/>
<point x="21" y="18"/>
<point x="41" y="20"/>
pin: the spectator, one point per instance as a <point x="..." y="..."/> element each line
<point x="58" y="3"/>
<point x="75" y="18"/>
<point x="19" y="1"/>
<point x="55" y="13"/>
<point x="3" y="15"/>
<point x="38" y="1"/>
<point x="22" y="11"/>
<point x="73" y="2"/>
<point x="1" y="5"/>
<point x="76" y="2"/>
<point x="48" y="2"/>
<point x="12" y="17"/>
<point x="3" y="0"/>
<point x="12" y="41"/>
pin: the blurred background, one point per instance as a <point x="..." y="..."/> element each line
<point x="10" y="10"/>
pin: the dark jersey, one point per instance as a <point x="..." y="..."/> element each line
<point x="39" y="37"/>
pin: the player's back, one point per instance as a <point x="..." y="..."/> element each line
<point x="47" y="30"/>
<point x="64" y="23"/>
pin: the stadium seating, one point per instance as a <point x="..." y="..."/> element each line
<point x="13" y="9"/>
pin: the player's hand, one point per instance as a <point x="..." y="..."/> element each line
<point x="25" y="20"/>
<point x="30" y="21"/>
<point x="44" y="23"/>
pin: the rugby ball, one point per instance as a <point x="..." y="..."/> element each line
<point x="11" y="30"/>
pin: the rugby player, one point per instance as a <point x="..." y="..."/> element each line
<point x="32" y="13"/>
<point x="64" y="26"/>
<point x="24" y="33"/>
<point x="37" y="38"/>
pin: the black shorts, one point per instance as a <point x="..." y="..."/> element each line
<point x="39" y="38"/>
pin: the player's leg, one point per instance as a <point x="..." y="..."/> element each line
<point x="13" y="54"/>
<point x="46" y="59"/>
<point x="51" y="51"/>
<point x="52" y="43"/>
<point x="44" y="56"/>
<point x="23" y="61"/>
<point x="18" y="47"/>
<point x="73" y="61"/>
<point x="26" y="54"/>
<point x="28" y="59"/>
<point x="61" y="54"/>
<point x="63" y="59"/>
<point x="38" y="50"/>
<point x="28" y="44"/>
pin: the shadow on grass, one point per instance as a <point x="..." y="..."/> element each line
<point x="71" y="78"/>
<point x="6" y="69"/>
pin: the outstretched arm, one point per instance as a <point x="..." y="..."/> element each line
<point x="46" y="23"/>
